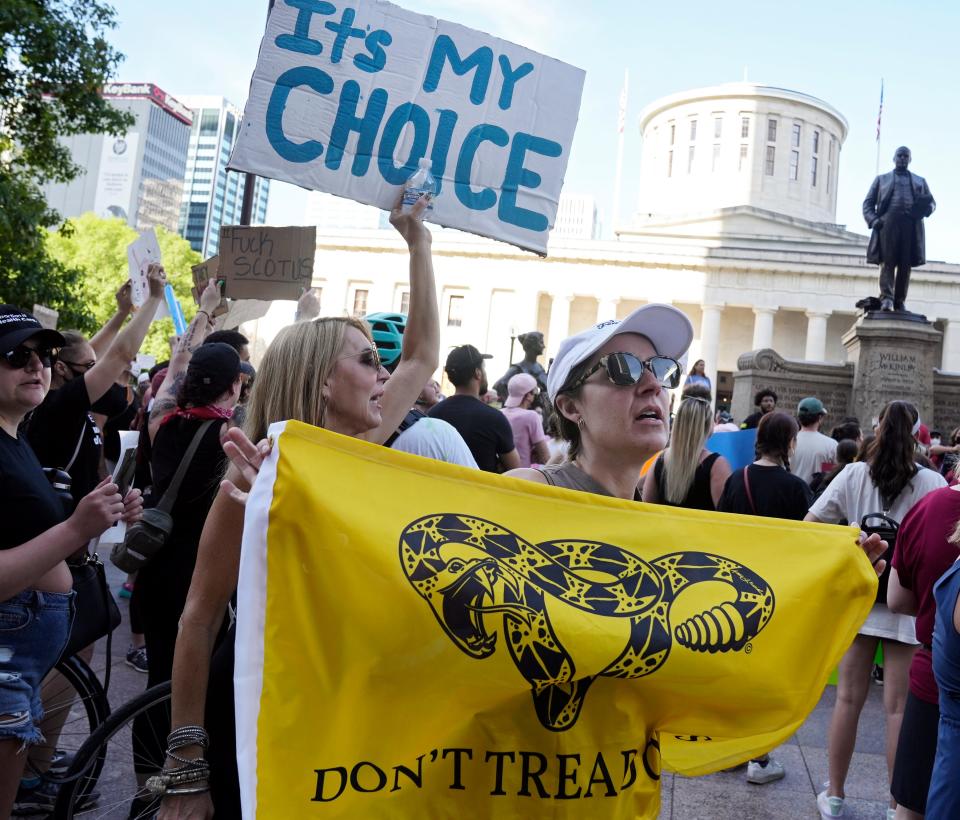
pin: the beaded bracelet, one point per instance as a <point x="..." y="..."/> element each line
<point x="188" y="736"/>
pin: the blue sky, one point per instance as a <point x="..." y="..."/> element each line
<point x="837" y="51"/>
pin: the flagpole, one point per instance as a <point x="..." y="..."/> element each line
<point x="621" y="121"/>
<point x="879" y="119"/>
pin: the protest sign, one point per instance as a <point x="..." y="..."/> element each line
<point x="348" y="98"/>
<point x="266" y="263"/>
<point x="48" y="317"/>
<point x="140" y="253"/>
<point x="484" y="647"/>
<point x="122" y="476"/>
<point x="244" y="310"/>
<point x="202" y="273"/>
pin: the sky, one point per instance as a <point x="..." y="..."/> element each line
<point x="837" y="51"/>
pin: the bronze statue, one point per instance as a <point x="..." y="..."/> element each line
<point x="533" y="347"/>
<point x="894" y="209"/>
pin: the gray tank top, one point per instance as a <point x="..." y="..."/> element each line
<point x="569" y="476"/>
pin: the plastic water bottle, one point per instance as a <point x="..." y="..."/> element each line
<point x="420" y="183"/>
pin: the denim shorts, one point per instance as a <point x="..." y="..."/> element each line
<point x="34" y="627"/>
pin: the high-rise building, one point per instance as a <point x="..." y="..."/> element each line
<point x="138" y="176"/>
<point x="213" y="196"/>
<point x="577" y="217"/>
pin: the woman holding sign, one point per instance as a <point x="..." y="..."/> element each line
<point x="324" y="372"/>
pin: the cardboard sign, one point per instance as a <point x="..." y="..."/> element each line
<point x="348" y="97"/>
<point x="202" y="274"/>
<point x="48" y="317"/>
<point x="266" y="263"/>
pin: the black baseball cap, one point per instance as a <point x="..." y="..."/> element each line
<point x="217" y="364"/>
<point x="465" y="357"/>
<point x="16" y="327"/>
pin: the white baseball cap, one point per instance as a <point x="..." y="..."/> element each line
<point x="668" y="329"/>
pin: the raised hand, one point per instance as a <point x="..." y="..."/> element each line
<point x="246" y="458"/>
<point x="210" y="298"/>
<point x="125" y="297"/>
<point x="156" y="279"/>
<point x="410" y="224"/>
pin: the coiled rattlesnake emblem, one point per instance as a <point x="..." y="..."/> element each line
<point x="467" y="568"/>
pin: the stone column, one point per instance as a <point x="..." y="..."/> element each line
<point x="710" y="340"/>
<point x="950" y="360"/>
<point x="559" y="327"/>
<point x="607" y="308"/>
<point x="816" y="350"/>
<point x="763" y="327"/>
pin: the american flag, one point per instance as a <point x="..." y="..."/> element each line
<point x="880" y="113"/>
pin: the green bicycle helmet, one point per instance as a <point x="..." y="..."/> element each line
<point x="387" y="331"/>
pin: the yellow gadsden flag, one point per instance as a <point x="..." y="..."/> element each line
<point x="419" y="640"/>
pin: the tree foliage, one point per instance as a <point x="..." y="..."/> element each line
<point x="97" y="248"/>
<point x="54" y="59"/>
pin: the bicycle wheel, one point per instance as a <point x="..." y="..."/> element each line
<point x="110" y="750"/>
<point x="75" y="704"/>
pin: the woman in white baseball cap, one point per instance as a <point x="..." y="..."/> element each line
<point x="608" y="386"/>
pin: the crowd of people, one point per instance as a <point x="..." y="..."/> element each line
<point x="601" y="420"/>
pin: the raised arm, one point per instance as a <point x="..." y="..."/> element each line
<point x="105" y="336"/>
<point x="126" y="345"/>
<point x="193" y="336"/>
<point x="421" y="339"/>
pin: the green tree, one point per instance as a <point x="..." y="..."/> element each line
<point x="97" y="249"/>
<point x="54" y="59"/>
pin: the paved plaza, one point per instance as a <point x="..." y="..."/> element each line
<point x="723" y="796"/>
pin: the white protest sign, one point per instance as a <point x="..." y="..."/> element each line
<point x="123" y="476"/>
<point x="348" y="97"/>
<point x="140" y="253"/>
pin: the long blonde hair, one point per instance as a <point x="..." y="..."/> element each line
<point x="692" y="427"/>
<point x="293" y="371"/>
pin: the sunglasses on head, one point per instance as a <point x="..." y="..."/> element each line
<point x="20" y="356"/>
<point x="625" y="369"/>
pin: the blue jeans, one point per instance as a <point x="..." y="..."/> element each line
<point x="34" y="627"/>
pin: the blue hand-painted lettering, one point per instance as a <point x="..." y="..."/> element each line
<point x="300" y="40"/>
<point x="396" y="122"/>
<point x="376" y="42"/>
<point x="344" y="31"/>
<point x="441" y="145"/>
<point x="516" y="175"/>
<point x="486" y="197"/>
<point x="366" y="127"/>
<point x="313" y="78"/>
<point x="511" y="76"/>
<point x="444" y="50"/>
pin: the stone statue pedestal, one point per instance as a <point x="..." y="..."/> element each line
<point x="894" y="358"/>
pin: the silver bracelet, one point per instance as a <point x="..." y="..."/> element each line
<point x="197" y="790"/>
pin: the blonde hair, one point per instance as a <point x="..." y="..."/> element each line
<point x="293" y="371"/>
<point x="692" y="427"/>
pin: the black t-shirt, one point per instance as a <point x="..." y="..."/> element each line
<point x="28" y="504"/>
<point x="751" y="421"/>
<point x="55" y="429"/>
<point x="485" y="429"/>
<point x="117" y="421"/>
<point x="776" y="494"/>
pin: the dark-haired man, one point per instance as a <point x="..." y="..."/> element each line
<point x="766" y="400"/>
<point x="485" y="429"/>
<point x="235" y="339"/>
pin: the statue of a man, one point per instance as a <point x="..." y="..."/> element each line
<point x="894" y="210"/>
<point x="533" y="347"/>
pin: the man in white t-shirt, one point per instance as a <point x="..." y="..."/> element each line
<point x="814" y="449"/>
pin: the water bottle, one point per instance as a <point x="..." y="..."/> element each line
<point x="420" y="183"/>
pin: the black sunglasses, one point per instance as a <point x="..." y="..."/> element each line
<point x="625" y="369"/>
<point x="20" y="356"/>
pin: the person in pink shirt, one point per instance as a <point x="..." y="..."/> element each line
<point x="528" y="435"/>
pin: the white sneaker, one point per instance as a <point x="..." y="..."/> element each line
<point x="830" y="807"/>
<point x="759" y="773"/>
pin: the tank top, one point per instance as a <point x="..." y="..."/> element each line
<point x="569" y="476"/>
<point x="946" y="643"/>
<point x="698" y="496"/>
